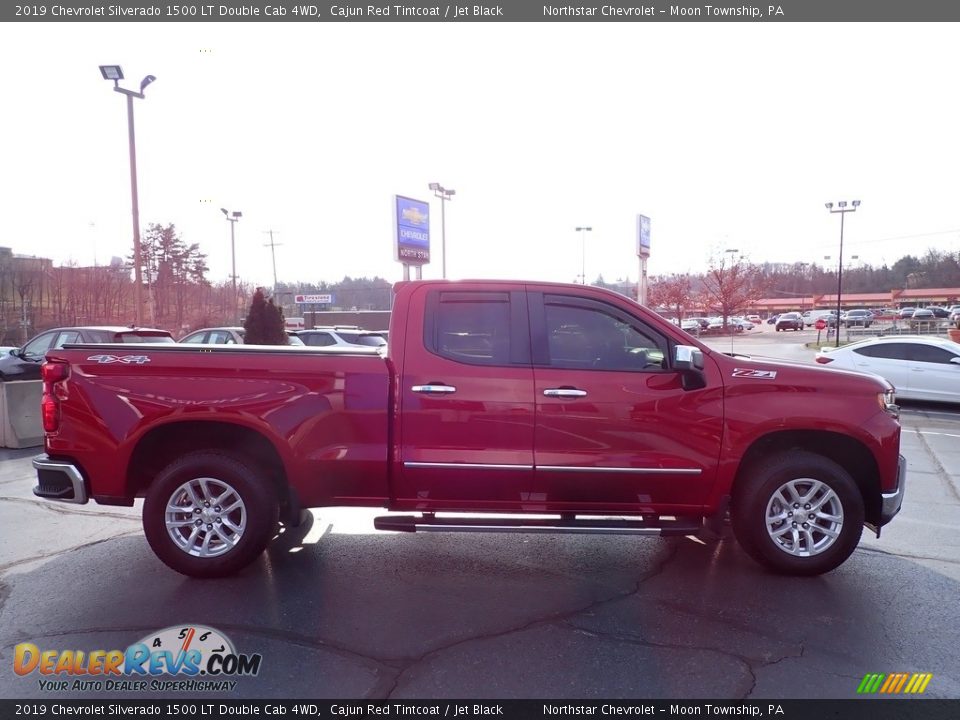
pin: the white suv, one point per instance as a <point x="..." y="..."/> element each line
<point x="343" y="335"/>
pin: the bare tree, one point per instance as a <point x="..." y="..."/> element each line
<point x="732" y="285"/>
<point x="674" y="293"/>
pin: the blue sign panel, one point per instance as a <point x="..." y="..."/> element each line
<point x="411" y="230"/>
<point x="643" y="236"/>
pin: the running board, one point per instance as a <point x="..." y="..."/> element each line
<point x="643" y="526"/>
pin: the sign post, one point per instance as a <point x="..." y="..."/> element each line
<point x="820" y="325"/>
<point x="643" y="252"/>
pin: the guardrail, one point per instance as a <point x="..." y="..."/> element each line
<point x="898" y="327"/>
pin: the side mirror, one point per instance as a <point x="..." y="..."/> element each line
<point x="689" y="361"/>
<point x="687" y="357"/>
<point x="955" y="360"/>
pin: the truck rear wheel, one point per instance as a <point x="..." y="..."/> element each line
<point x="798" y="513"/>
<point x="208" y="514"/>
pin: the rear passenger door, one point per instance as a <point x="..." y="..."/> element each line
<point x="466" y="401"/>
<point x="934" y="373"/>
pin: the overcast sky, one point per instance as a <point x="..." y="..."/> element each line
<point x="728" y="136"/>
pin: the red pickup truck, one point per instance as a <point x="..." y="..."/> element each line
<point x="498" y="406"/>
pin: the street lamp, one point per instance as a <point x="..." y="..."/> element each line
<point x="232" y="218"/>
<point x="843" y="210"/>
<point x="113" y="72"/>
<point x="583" y="259"/>
<point x="444" y="194"/>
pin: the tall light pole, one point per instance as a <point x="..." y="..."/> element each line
<point x="843" y="210"/>
<point x="232" y="218"/>
<point x="273" y="254"/>
<point x="583" y="257"/>
<point x="113" y="72"/>
<point x="444" y="194"/>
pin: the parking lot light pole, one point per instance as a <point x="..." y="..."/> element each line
<point x="843" y="210"/>
<point x="444" y="194"/>
<point x="113" y="72"/>
<point x="232" y="218"/>
<point x="583" y="259"/>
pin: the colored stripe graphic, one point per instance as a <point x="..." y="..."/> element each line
<point x="894" y="683"/>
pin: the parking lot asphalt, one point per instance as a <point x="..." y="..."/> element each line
<point x="339" y="610"/>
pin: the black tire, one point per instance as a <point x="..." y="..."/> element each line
<point x="756" y="493"/>
<point x="256" y="516"/>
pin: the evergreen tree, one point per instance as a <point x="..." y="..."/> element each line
<point x="264" y="324"/>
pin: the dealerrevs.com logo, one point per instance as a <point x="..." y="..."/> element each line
<point x="201" y="658"/>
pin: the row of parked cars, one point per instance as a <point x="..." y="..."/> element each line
<point x="864" y="317"/>
<point x="24" y="363"/>
<point x="697" y="325"/>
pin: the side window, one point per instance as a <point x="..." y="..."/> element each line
<point x="196" y="338"/>
<point x="928" y="354"/>
<point x="37" y="348"/>
<point x="67" y="336"/>
<point x="589" y="337"/>
<point x="472" y="327"/>
<point x="887" y="351"/>
<point x="319" y="339"/>
<point x="220" y="337"/>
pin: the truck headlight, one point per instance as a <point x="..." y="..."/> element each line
<point x="888" y="402"/>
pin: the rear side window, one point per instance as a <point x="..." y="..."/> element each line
<point x="65" y="337"/>
<point x="142" y="338"/>
<point x="221" y="337"/>
<point x="929" y="354"/>
<point x="478" y="327"/>
<point x="321" y="339"/>
<point x="365" y="339"/>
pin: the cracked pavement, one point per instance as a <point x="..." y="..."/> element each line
<point x="338" y="610"/>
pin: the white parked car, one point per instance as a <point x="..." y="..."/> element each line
<point x="342" y="335"/>
<point x="226" y="336"/>
<point x="920" y="368"/>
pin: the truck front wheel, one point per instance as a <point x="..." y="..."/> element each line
<point x="208" y="514"/>
<point x="798" y="513"/>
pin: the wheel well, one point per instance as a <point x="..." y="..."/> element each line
<point x="161" y="445"/>
<point x="849" y="453"/>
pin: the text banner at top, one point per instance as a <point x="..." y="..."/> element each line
<point x="505" y="11"/>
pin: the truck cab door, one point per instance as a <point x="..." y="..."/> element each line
<point x="466" y="406"/>
<point x="616" y="428"/>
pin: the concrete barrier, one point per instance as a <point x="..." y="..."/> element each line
<point x="20" y="423"/>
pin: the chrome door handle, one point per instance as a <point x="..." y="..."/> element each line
<point x="433" y="389"/>
<point x="565" y="392"/>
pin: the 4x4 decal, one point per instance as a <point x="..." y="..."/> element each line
<point x="125" y="359"/>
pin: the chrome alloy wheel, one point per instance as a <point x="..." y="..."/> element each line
<point x="804" y="517"/>
<point x="205" y="517"/>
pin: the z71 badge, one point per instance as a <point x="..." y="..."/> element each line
<point x="126" y="359"/>
<point x="756" y="374"/>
